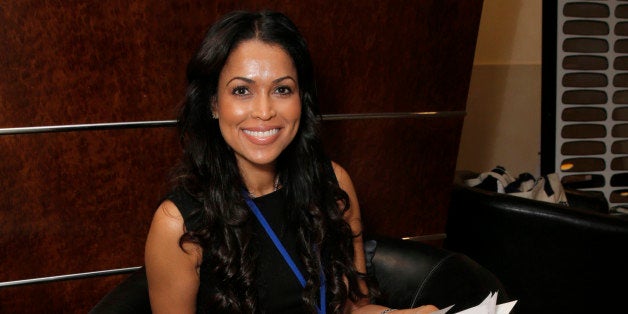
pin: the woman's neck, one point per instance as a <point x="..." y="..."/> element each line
<point x="260" y="180"/>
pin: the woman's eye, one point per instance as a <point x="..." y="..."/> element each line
<point x="283" y="90"/>
<point x="240" y="90"/>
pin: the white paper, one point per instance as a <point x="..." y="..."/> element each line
<point x="443" y="311"/>
<point x="487" y="306"/>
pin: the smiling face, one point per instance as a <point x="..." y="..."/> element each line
<point x="257" y="103"/>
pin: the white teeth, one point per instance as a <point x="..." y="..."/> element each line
<point x="260" y="133"/>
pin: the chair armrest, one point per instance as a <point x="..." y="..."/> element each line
<point x="411" y="273"/>
<point x="546" y="255"/>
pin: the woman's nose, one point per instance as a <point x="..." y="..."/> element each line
<point x="263" y="108"/>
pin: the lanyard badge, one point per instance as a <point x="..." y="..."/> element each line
<point x="260" y="217"/>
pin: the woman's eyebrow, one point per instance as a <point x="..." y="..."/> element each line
<point x="250" y="81"/>
<point x="287" y="77"/>
<point x="246" y="79"/>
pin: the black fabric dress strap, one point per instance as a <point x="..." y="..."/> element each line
<point x="329" y="169"/>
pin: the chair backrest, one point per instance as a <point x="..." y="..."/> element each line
<point x="551" y="258"/>
<point x="408" y="274"/>
<point x="129" y="297"/>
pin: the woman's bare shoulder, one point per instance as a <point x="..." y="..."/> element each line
<point x="166" y="230"/>
<point x="344" y="180"/>
<point x="169" y="213"/>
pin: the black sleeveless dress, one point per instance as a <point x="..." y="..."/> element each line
<point x="278" y="289"/>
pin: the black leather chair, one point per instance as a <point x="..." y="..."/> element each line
<point x="408" y="274"/>
<point x="551" y="258"/>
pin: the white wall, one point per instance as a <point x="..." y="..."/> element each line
<point x="503" y="122"/>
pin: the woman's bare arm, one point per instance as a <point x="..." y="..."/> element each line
<point x="354" y="219"/>
<point x="173" y="274"/>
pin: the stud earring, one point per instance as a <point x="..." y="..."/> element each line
<point x="214" y="115"/>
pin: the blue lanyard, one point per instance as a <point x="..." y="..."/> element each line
<point x="322" y="308"/>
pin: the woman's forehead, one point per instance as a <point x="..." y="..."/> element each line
<point x="254" y="59"/>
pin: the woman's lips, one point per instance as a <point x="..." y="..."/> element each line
<point x="261" y="137"/>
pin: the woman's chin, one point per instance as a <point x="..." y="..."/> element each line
<point x="258" y="160"/>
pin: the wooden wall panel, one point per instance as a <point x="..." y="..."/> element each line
<point x="108" y="61"/>
<point x="81" y="201"/>
<point x="393" y="56"/>
<point x="92" y="61"/>
<point x="77" y="202"/>
<point x="403" y="182"/>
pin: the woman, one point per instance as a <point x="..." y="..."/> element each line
<point x="253" y="170"/>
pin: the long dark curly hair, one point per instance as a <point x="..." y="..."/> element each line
<point x="210" y="174"/>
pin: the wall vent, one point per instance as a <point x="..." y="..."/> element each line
<point x="589" y="57"/>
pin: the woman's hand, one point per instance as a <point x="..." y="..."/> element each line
<point x="425" y="309"/>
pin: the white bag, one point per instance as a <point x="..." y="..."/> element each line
<point x="547" y="188"/>
<point x="498" y="173"/>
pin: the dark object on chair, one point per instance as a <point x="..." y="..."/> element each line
<point x="551" y="258"/>
<point x="408" y="273"/>
<point x="129" y="297"/>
